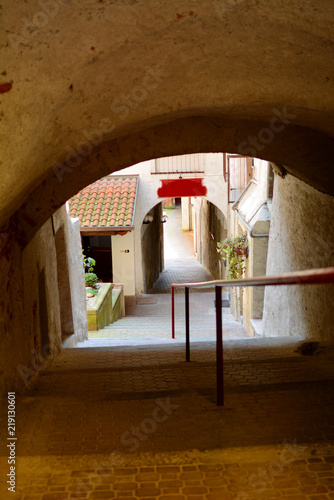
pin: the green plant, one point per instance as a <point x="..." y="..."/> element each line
<point x="91" y="279"/>
<point x="88" y="263"/>
<point x="235" y="252"/>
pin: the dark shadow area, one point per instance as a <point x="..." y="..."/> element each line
<point x="271" y="395"/>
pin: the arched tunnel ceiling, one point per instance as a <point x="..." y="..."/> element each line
<point x="146" y="78"/>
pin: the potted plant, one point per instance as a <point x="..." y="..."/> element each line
<point x="90" y="277"/>
<point x="235" y="252"/>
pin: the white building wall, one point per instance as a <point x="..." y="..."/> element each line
<point x="147" y="197"/>
<point x="123" y="252"/>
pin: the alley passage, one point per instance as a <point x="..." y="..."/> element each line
<point x="180" y="263"/>
<point x="148" y="317"/>
<point x="141" y="423"/>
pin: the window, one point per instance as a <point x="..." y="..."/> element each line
<point x="240" y="172"/>
<point x="193" y="163"/>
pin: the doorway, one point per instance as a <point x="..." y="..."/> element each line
<point x="99" y="249"/>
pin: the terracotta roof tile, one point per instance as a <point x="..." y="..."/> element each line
<point x="108" y="202"/>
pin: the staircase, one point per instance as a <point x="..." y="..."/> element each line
<point x="158" y="327"/>
<point x="151" y="323"/>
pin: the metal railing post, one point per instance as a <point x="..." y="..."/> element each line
<point x="219" y="347"/>
<point x="319" y="276"/>
<point x="173" y="313"/>
<point x="186" y="291"/>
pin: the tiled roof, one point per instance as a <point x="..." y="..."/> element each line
<point x="107" y="203"/>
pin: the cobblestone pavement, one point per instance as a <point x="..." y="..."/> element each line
<point x="185" y="270"/>
<point x="141" y="423"/>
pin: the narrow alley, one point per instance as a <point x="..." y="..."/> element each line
<point x="180" y="263"/>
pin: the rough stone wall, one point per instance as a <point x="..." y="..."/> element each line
<point x="152" y="248"/>
<point x="15" y="343"/>
<point x="31" y="304"/>
<point x="301" y="237"/>
<point x="31" y="308"/>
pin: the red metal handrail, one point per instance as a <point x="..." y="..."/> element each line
<point x="310" y="277"/>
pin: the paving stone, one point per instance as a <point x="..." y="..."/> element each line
<point x="147" y="492"/>
<point x="172" y="497"/>
<point x="147" y="477"/>
<point x="319" y="467"/>
<point x="102" y="494"/>
<point x="313" y="489"/>
<point x="190" y="475"/>
<point x="55" y="496"/>
<point x="172" y="483"/>
<point x="125" y="486"/>
<point x="125" y="472"/>
<point x="194" y="490"/>
<point x="199" y="450"/>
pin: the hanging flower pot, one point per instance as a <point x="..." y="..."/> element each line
<point x="234" y="251"/>
<point x="241" y="250"/>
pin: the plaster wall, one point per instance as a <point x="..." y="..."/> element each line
<point x="256" y="265"/>
<point x="211" y="231"/>
<point x="152" y="248"/>
<point x="301" y="237"/>
<point x="64" y="287"/>
<point x="123" y="251"/>
<point x="185" y="214"/>
<point x="253" y="208"/>
<point x="76" y="279"/>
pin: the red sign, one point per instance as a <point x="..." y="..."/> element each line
<point x="175" y="188"/>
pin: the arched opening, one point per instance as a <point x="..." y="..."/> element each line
<point x="137" y="81"/>
<point x="194" y="134"/>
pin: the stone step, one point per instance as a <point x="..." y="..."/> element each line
<point x="162" y="328"/>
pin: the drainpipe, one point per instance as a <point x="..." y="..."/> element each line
<point x="250" y="229"/>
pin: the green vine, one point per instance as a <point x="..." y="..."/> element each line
<point x="235" y="252"/>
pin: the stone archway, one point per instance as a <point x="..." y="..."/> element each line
<point x="86" y="91"/>
<point x="142" y="81"/>
<point x="308" y="152"/>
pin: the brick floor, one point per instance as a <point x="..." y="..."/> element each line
<point x="141" y="423"/>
